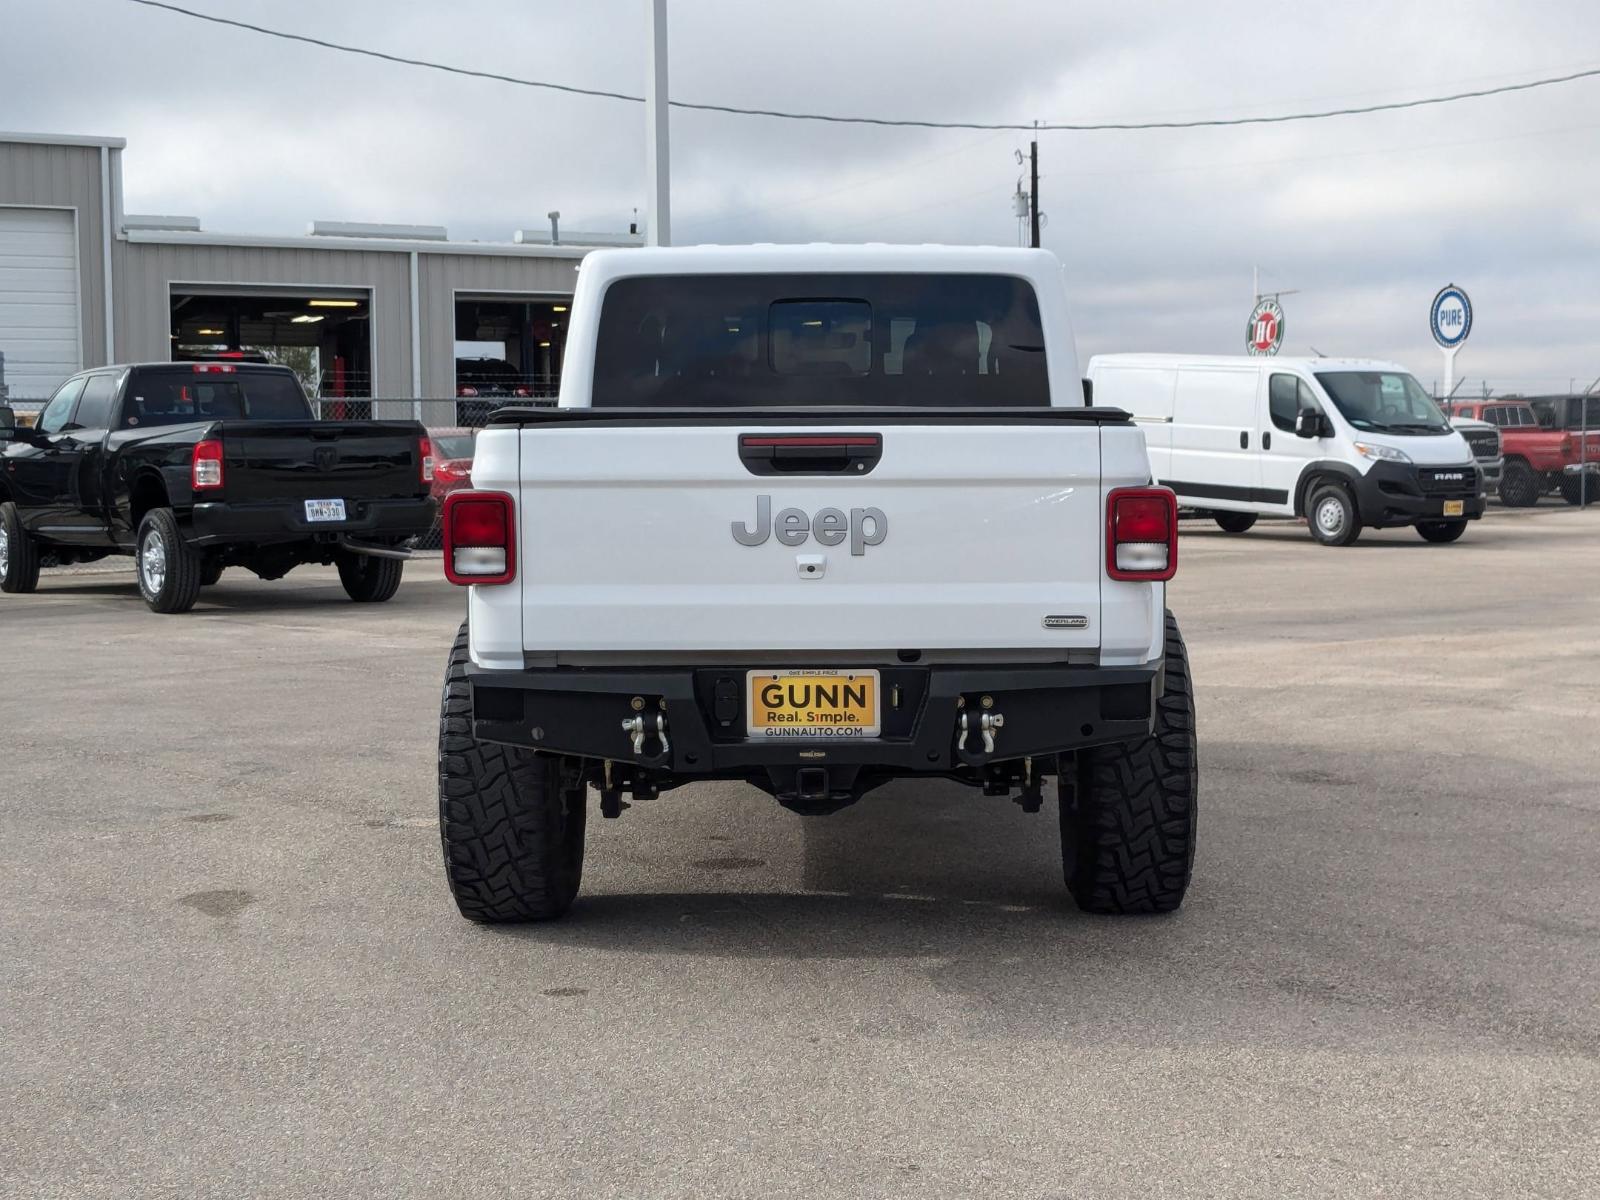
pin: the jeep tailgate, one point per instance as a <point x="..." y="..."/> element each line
<point x="990" y="539"/>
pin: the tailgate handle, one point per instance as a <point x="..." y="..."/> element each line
<point x="810" y="453"/>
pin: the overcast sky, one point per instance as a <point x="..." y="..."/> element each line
<point x="1366" y="216"/>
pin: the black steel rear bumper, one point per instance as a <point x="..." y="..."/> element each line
<point x="275" y="521"/>
<point x="1047" y="710"/>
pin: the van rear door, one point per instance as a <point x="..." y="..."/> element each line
<point x="1216" y="442"/>
<point x="1146" y="392"/>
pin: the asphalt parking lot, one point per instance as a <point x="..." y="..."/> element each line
<point x="231" y="968"/>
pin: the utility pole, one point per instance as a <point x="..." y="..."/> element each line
<point x="1033" y="189"/>
<point x="657" y="162"/>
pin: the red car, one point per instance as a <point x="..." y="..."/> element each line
<point x="452" y="466"/>
<point x="1540" y="456"/>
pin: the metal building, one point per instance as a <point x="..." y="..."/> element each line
<point x="381" y="318"/>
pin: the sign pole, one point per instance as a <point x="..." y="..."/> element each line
<point x="658" y="207"/>
<point x="1450" y="320"/>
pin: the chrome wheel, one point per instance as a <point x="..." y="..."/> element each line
<point x="5" y="549"/>
<point x="153" y="564"/>
<point x="1330" y="517"/>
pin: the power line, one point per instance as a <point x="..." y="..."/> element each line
<point x="891" y="122"/>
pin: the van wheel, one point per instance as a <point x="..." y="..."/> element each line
<point x="1332" y="515"/>
<point x="19" y="553"/>
<point x="167" y="566"/>
<point x="1441" y="531"/>
<point x="1232" y="522"/>
<point x="1572" y="490"/>
<point x="1519" y="486"/>
<point x="510" y="823"/>
<point x="369" y="579"/>
<point x="1128" y="826"/>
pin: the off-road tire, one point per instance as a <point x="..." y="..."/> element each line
<point x="1348" y="529"/>
<point x="1572" y="490"/>
<point x="1128" y="824"/>
<point x="369" y="579"/>
<point x="512" y="830"/>
<point x="20" y="571"/>
<point x="1519" y="486"/>
<point x="210" y="574"/>
<point x="177" y="586"/>
<point x="1233" y="522"/>
<point x="1441" y="531"/>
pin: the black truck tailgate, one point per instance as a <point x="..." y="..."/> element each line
<point x="321" y="460"/>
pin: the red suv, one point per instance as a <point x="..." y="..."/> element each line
<point x="1544" y="450"/>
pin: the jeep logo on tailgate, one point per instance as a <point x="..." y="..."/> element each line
<point x="865" y="527"/>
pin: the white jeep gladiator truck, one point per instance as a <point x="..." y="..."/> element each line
<point x="815" y="518"/>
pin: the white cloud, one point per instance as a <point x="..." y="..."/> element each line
<point x="1366" y="216"/>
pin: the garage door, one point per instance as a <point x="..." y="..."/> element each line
<point x="38" y="300"/>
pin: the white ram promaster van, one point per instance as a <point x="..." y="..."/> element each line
<point x="1345" y="443"/>
<point x="814" y="518"/>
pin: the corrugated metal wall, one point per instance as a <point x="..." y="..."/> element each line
<point x="441" y="276"/>
<point x="147" y="272"/>
<point x="66" y="176"/>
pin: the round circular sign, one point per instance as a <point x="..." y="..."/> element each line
<point x="1450" y="317"/>
<point x="1264" y="333"/>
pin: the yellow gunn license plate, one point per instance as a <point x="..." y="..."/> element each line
<point x="813" y="704"/>
<point x="1454" y="508"/>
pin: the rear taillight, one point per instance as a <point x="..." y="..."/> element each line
<point x="205" y="470"/>
<point x="466" y="392"/>
<point x="480" y="531"/>
<point x="1141" y="533"/>
<point x="522" y="392"/>
<point x="425" y="454"/>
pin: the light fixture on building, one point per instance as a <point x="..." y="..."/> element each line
<point x="558" y="308"/>
<point x="305" y="319"/>
<point x="544" y="345"/>
<point x="333" y="303"/>
<point x="209" y="332"/>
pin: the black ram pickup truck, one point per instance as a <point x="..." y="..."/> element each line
<point x="195" y="467"/>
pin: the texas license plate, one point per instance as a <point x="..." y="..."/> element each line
<point x="1454" y="508"/>
<point x="324" y="510"/>
<point x="812" y="704"/>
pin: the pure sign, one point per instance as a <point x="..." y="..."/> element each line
<point x="1451" y="317"/>
<point x="1264" y="334"/>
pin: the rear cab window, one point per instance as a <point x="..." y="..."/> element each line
<point x="797" y="340"/>
<point x="179" y="395"/>
<point x="94" y="407"/>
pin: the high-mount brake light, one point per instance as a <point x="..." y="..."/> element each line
<point x="205" y="469"/>
<point x="1141" y="534"/>
<point x="214" y="368"/>
<point x="480" y="538"/>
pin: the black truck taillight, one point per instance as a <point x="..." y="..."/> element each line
<point x="205" y="467"/>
